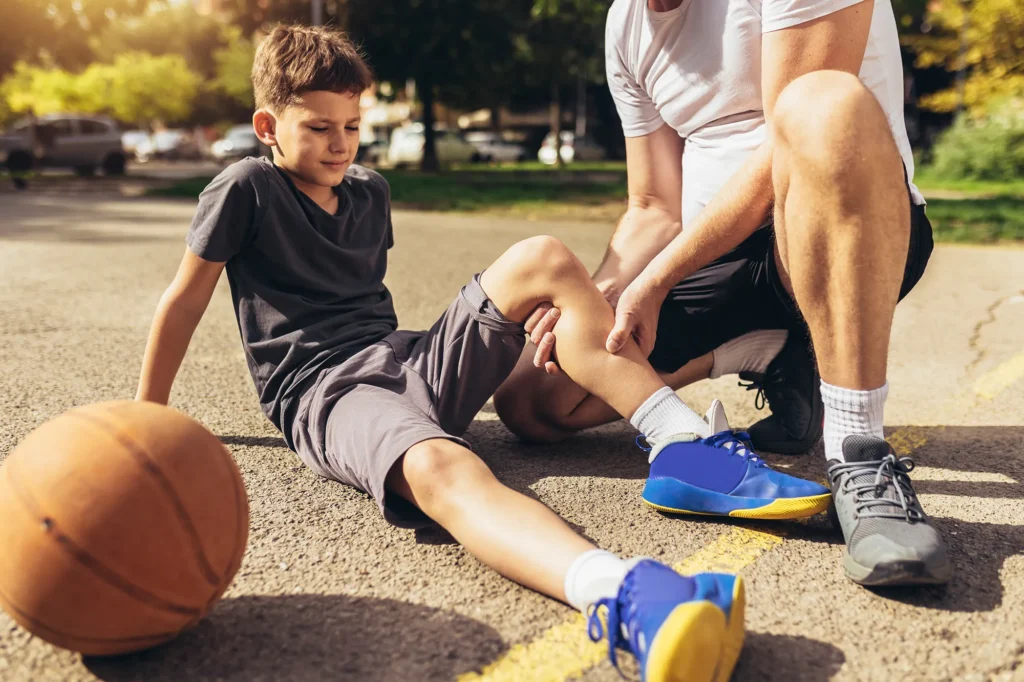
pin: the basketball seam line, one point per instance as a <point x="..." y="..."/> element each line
<point x="151" y="467"/>
<point x="69" y="636"/>
<point x="95" y="566"/>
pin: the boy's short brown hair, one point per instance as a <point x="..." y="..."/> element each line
<point x="297" y="59"/>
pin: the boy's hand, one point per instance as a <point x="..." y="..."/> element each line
<point x="539" y="326"/>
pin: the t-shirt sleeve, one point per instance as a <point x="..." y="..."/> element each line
<point x="229" y="210"/>
<point x="780" y="14"/>
<point x="386" y="190"/>
<point x="636" y="110"/>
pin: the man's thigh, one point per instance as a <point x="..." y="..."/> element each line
<point x="720" y="302"/>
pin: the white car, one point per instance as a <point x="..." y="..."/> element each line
<point x="406" y="148"/>
<point x="570" y="149"/>
<point x="239" y="142"/>
<point x="84" y="143"/>
<point x="493" y="147"/>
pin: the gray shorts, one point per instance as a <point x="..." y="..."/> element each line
<point x="361" y="416"/>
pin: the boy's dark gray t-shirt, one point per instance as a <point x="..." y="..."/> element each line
<point x="308" y="286"/>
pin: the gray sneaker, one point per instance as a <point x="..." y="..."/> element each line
<point x="889" y="539"/>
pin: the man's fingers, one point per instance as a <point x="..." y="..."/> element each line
<point x="620" y="332"/>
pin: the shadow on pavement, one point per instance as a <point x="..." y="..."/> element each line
<point x="255" y="441"/>
<point x="314" y="637"/>
<point x="787" y="657"/>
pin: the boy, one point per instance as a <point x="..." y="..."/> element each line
<point x="304" y="240"/>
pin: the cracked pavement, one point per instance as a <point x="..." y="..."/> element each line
<point x="329" y="591"/>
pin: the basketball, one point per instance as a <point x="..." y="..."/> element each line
<point x="121" y="524"/>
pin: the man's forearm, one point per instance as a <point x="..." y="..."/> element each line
<point x="642" y="233"/>
<point x="733" y="215"/>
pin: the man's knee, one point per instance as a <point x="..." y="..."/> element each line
<point x="517" y="407"/>
<point x="828" y="116"/>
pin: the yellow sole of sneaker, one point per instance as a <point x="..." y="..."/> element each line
<point x="793" y="508"/>
<point x="689" y="645"/>
<point x="735" y="633"/>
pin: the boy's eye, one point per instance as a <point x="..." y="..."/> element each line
<point x="318" y="129"/>
<point x="354" y="129"/>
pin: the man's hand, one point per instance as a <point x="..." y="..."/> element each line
<point x="539" y="326"/>
<point x="636" y="315"/>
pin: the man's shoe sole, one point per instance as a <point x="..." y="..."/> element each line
<point x="679" y="652"/>
<point x="896" y="573"/>
<point x="676" y="497"/>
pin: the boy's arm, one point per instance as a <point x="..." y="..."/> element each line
<point x="177" y="315"/>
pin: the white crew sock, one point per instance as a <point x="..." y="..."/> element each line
<point x="664" y="415"/>
<point x="593" y="576"/>
<point x="748" y="353"/>
<point x="851" y="412"/>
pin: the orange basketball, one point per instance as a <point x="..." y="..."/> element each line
<point x="121" y="524"/>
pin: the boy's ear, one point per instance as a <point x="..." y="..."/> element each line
<point x="265" y="125"/>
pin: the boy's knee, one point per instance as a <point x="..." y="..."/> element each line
<point x="435" y="468"/>
<point x="546" y="256"/>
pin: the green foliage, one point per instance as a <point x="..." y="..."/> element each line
<point x="993" y="32"/>
<point x="986" y="149"/>
<point x="234" y="65"/>
<point x="136" y="88"/>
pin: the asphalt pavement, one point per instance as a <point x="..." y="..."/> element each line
<point x="328" y="590"/>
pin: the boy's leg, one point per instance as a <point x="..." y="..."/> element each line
<point x="545" y="408"/>
<point x="515" y="535"/>
<point x="543" y="269"/>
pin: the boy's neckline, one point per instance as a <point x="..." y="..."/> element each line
<point x="335" y="194"/>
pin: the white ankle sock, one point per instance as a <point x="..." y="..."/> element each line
<point x="593" y="576"/>
<point x="851" y="412"/>
<point x="748" y="353"/>
<point x="664" y="415"/>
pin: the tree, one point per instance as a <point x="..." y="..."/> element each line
<point x="442" y="45"/>
<point x="234" y="65"/>
<point x="136" y="88"/>
<point x="985" y="38"/>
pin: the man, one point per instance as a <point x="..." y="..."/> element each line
<point x="770" y="188"/>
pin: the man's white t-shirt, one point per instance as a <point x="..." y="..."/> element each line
<point x="698" y="69"/>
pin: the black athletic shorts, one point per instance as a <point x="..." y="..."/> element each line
<point x="742" y="291"/>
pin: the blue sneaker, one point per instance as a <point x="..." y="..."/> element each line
<point x="722" y="476"/>
<point x="681" y="629"/>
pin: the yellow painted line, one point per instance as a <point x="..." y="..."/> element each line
<point x="904" y="441"/>
<point x="999" y="379"/>
<point x="565" y="651"/>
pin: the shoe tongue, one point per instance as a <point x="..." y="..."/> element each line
<point x="864" y="449"/>
<point x="716" y="418"/>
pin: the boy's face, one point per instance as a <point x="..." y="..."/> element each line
<point x="316" y="138"/>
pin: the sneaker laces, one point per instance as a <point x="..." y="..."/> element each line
<point x="760" y="399"/>
<point x="735" y="443"/>
<point x="869" y="481"/>
<point x="621" y="633"/>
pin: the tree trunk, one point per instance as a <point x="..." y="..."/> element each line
<point x="496" y="118"/>
<point x="425" y="88"/>
<point x="556" y="121"/>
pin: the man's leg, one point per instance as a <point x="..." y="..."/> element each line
<point x="842" y="220"/>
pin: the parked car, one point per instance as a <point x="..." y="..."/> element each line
<point x="406" y="148"/>
<point x="239" y="142"/>
<point x="168" y="145"/>
<point x="130" y="139"/>
<point x="372" y="151"/>
<point x="84" y="143"/>
<point x="493" y="147"/>
<point x="570" y="149"/>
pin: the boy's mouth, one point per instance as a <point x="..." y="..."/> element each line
<point x="334" y="165"/>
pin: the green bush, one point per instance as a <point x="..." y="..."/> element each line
<point x="989" y="149"/>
